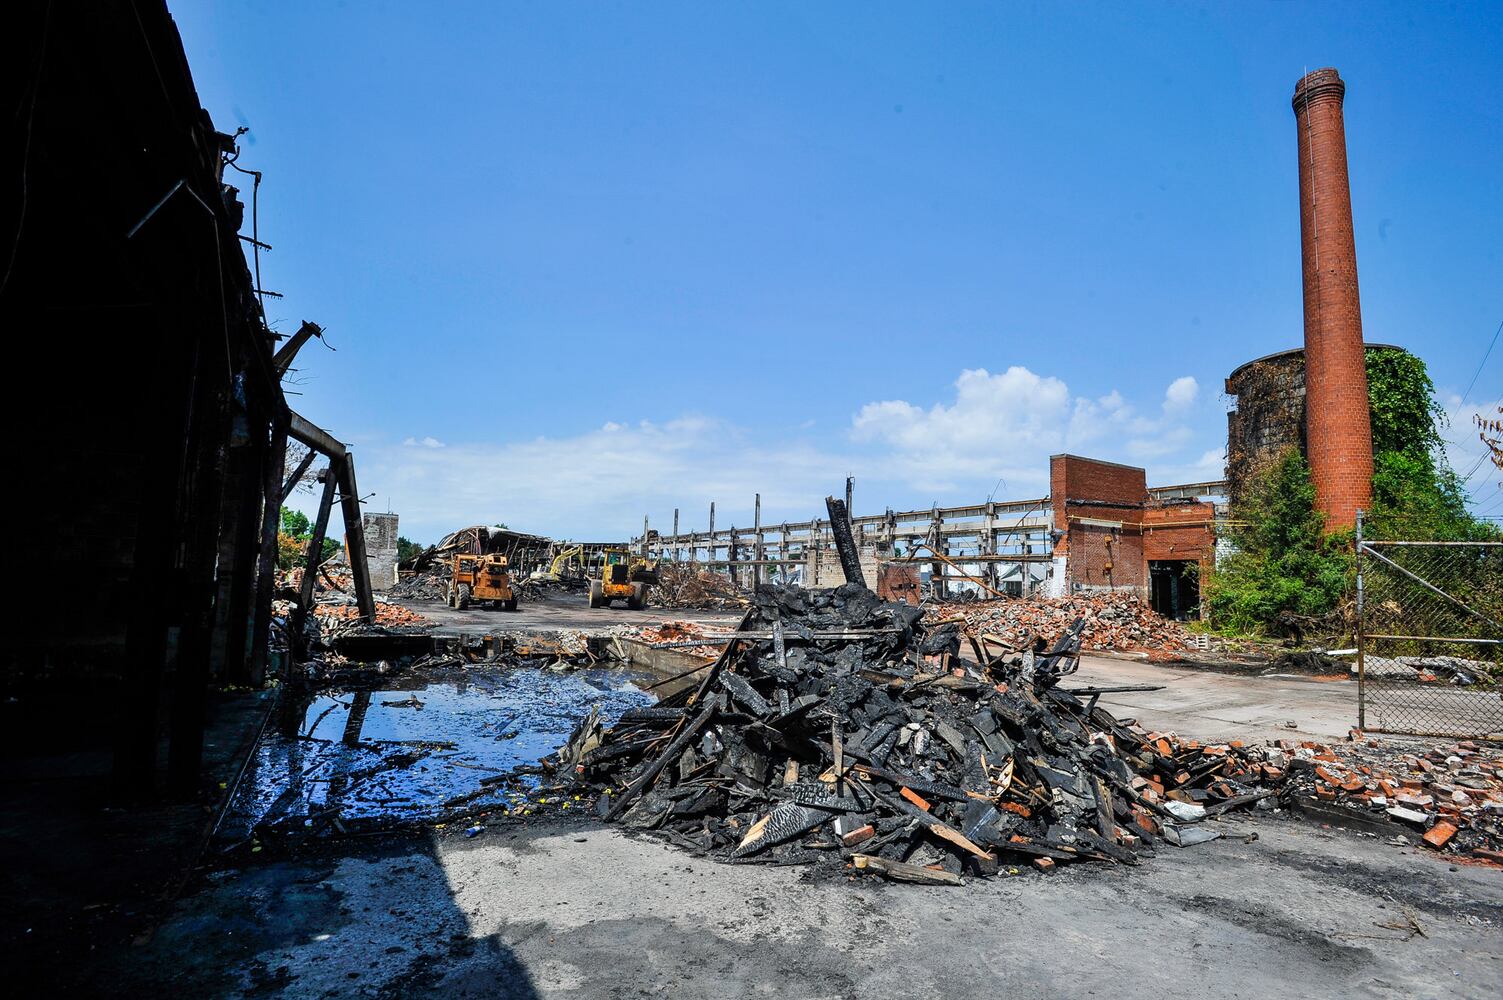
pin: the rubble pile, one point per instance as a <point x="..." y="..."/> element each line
<point x="1452" y="795"/>
<point x="839" y="730"/>
<point x="670" y="632"/>
<point x="332" y="576"/>
<point x="387" y="615"/>
<point x="687" y="586"/>
<point x="431" y="584"/>
<point x="1113" y="621"/>
<point x="543" y="588"/>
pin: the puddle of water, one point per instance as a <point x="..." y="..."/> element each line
<point x="397" y="755"/>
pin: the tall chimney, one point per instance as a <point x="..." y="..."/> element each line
<point x="1337" y="427"/>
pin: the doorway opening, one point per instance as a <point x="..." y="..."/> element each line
<point x="1174" y="588"/>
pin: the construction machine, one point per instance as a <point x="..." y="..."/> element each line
<point x="623" y="576"/>
<point x="555" y="571"/>
<point x="481" y="578"/>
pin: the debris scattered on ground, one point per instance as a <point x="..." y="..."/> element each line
<point x="1113" y="620"/>
<point x="683" y="585"/>
<point x="432" y="584"/>
<point x="387" y="615"/>
<point x="1455" y="670"/>
<point x="844" y="730"/>
<point x="673" y="632"/>
<point x="1453" y="795"/>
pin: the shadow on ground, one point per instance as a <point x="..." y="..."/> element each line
<point x="360" y="919"/>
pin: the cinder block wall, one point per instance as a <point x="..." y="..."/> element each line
<point x="381" y="549"/>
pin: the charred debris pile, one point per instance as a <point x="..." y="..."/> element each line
<point x="685" y="585"/>
<point x="840" y="730"/>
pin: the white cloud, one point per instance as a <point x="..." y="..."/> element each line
<point x="1465" y="451"/>
<point x="1008" y="425"/>
<point x="599" y="483"/>
<point x="1181" y="394"/>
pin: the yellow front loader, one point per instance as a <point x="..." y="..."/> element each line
<point x="623" y="577"/>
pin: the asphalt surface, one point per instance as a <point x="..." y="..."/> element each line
<point x="557" y="911"/>
<point x="1207" y="704"/>
<point x="1279" y="907"/>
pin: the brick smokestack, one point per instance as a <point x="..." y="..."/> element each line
<point x="1338" y="431"/>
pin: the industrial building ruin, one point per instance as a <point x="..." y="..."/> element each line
<point x="1101" y="528"/>
<point x="1269" y="412"/>
<point x="239" y="768"/>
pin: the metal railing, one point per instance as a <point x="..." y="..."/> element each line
<point x="1430" y="637"/>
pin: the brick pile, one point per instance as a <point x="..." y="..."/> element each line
<point x="664" y="632"/>
<point x="1113" y="621"/>
<point x="388" y="615"/>
<point x="1452" y="795"/>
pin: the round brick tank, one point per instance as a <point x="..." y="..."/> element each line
<point x="1338" y="434"/>
<point x="1268" y="416"/>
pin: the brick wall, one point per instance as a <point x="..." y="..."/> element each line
<point x="1179" y="531"/>
<point x="1099" y="556"/>
<point x="1111" y="529"/>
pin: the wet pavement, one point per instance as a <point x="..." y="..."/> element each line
<point x="419" y="748"/>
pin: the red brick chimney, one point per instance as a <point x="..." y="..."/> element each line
<point x="1337" y="428"/>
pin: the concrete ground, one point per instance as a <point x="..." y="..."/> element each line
<point x="569" y="611"/>
<point x="1207" y="704"/>
<point x="1280" y="907"/>
<point x="585" y="911"/>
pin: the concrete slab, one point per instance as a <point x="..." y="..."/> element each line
<point x="587" y="911"/>
<point x="1207" y="704"/>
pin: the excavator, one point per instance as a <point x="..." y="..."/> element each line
<point x="555" y="571"/>
<point x="623" y="576"/>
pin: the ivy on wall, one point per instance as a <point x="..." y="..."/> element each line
<point x="1285" y="575"/>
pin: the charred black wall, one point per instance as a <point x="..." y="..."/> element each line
<point x="143" y="416"/>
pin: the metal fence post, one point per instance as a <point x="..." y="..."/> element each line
<point x="1361" y="658"/>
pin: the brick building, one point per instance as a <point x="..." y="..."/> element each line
<point x="1111" y="534"/>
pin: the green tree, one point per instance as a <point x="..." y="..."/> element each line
<point x="407" y="549"/>
<point x="1285" y="568"/>
<point x="1416" y="494"/>
<point x="292" y="540"/>
<point x="295" y="523"/>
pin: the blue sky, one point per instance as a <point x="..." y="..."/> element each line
<point x="586" y="261"/>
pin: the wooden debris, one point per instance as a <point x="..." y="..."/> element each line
<point x="834" y="721"/>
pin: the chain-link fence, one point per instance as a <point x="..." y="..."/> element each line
<point x="1429" y="638"/>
